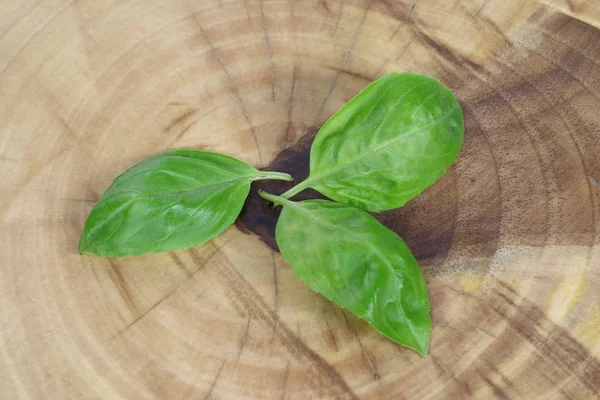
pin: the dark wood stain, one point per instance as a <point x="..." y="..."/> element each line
<point x="391" y="8"/>
<point x="443" y="51"/>
<point x="94" y="195"/>
<point x="178" y="261"/>
<point x="116" y="276"/>
<point x="257" y="215"/>
<point x="358" y="75"/>
<point x="180" y="119"/>
<point x="183" y="132"/>
<point x="499" y="393"/>
<point x="325" y="6"/>
<point x="330" y="333"/>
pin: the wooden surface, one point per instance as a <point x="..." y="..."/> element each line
<point x="508" y="240"/>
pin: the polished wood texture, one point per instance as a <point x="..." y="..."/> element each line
<point x="508" y="240"/>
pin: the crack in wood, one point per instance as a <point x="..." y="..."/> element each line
<point x="410" y="10"/>
<point x="276" y="284"/>
<point x="247" y="13"/>
<point x="257" y="307"/>
<point x="339" y="15"/>
<point x="268" y="46"/>
<point x="372" y="367"/>
<point x="449" y="373"/>
<point x="481" y="7"/>
<point x="348" y="52"/>
<point x="232" y="85"/>
<point x="244" y="338"/>
<point x="291" y="107"/>
<point x="381" y="68"/>
<point x="214" y="382"/>
<point x="285" y="379"/>
<point x="171" y="293"/>
<point x="404" y="50"/>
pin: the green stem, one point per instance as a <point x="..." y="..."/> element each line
<point x="277" y="200"/>
<point x="296" y="189"/>
<point x="278" y="176"/>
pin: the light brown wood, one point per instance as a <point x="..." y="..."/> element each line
<point x="508" y="239"/>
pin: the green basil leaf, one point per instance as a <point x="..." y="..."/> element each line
<point x="174" y="200"/>
<point x="389" y="143"/>
<point x="346" y="255"/>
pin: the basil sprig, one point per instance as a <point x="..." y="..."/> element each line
<point x="388" y="144"/>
